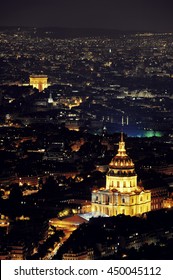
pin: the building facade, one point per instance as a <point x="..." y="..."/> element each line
<point x="84" y="255"/>
<point x="121" y="195"/>
<point x="158" y="197"/>
<point x="38" y="81"/>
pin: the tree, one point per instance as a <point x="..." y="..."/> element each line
<point x="15" y="196"/>
<point x="50" y="188"/>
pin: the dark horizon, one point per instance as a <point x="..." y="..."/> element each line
<point x="84" y="28"/>
<point x="72" y="32"/>
<point x="154" y="16"/>
<point x="94" y="29"/>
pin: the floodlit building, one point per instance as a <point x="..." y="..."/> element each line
<point x="168" y="202"/>
<point x="18" y="251"/>
<point x="121" y="195"/>
<point x="38" y="81"/>
<point x="84" y="255"/>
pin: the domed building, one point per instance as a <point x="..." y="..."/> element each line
<point x="121" y="195"/>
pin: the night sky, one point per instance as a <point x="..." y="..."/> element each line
<point x="154" y="15"/>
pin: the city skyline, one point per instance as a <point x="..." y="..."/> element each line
<point x="119" y="15"/>
<point x="65" y="192"/>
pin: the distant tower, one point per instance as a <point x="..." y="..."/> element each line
<point x="38" y="81"/>
<point x="124" y="122"/>
<point x="121" y="195"/>
<point x="104" y="131"/>
<point x="50" y="99"/>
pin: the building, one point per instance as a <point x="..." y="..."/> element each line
<point x="4" y="224"/>
<point x="4" y="255"/>
<point x="18" y="250"/>
<point x="38" y="81"/>
<point x="121" y="195"/>
<point x="168" y="202"/>
<point x="84" y="255"/>
<point x="158" y="197"/>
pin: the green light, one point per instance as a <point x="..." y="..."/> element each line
<point x="152" y="133"/>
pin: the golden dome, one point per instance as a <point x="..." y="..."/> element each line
<point x="121" y="160"/>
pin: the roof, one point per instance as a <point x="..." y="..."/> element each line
<point x="76" y="220"/>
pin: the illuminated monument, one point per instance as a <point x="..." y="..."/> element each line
<point x="38" y="81"/>
<point x="121" y="195"/>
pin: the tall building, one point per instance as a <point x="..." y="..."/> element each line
<point x="121" y="195"/>
<point x="38" y="81"/>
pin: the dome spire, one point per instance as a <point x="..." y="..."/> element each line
<point x="121" y="161"/>
<point x="121" y="149"/>
<point x="122" y="140"/>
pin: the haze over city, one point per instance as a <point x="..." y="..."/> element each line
<point x="154" y="15"/>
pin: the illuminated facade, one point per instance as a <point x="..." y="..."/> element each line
<point x="85" y="255"/>
<point x="121" y="195"/>
<point x="168" y="202"/>
<point x="38" y="81"/>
